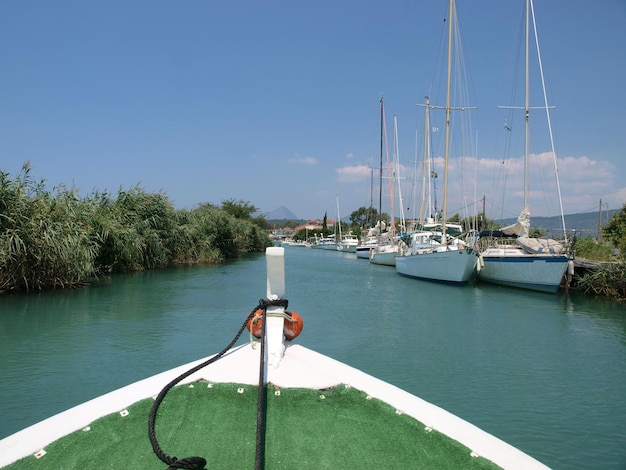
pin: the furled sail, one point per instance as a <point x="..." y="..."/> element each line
<point x="521" y="228"/>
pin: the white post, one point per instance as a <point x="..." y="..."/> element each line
<point x="275" y="258"/>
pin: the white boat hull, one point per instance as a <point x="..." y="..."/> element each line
<point x="363" y="251"/>
<point x="325" y="246"/>
<point x="385" y="255"/>
<point x="524" y="270"/>
<point x="386" y="259"/>
<point x="452" y="266"/>
<point x="347" y="248"/>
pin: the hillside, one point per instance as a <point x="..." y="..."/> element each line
<point x="584" y="223"/>
<point x="280" y="213"/>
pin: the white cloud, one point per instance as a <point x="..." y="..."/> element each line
<point x="351" y="174"/>
<point x="303" y="160"/>
<point x="583" y="182"/>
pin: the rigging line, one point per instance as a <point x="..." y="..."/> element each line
<point x="397" y="170"/>
<point x="545" y="99"/>
<point x="389" y="175"/>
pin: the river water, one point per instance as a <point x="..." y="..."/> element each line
<point x="544" y="372"/>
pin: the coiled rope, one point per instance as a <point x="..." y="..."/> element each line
<point x="198" y="463"/>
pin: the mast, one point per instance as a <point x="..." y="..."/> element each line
<point x="391" y="166"/>
<point x="338" y="220"/>
<point x="447" y="148"/>
<point x="526" y="106"/>
<point x="380" y="177"/>
<point x="397" y="170"/>
<point x="426" y="169"/>
<point x="371" y="196"/>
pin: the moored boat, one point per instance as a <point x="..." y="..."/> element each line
<point x="348" y="243"/>
<point x="364" y="249"/>
<point x="452" y="261"/>
<point x="374" y="238"/>
<point x="325" y="243"/>
<point x="385" y="254"/>
<point x="270" y="403"/>
<point x="527" y="262"/>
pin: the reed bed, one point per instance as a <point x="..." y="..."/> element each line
<point x="55" y="239"/>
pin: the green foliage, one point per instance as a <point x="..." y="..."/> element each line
<point x="55" y="239"/>
<point x="133" y="230"/>
<point x="357" y="231"/>
<point x="238" y="209"/>
<point x="364" y="217"/>
<point x="615" y="231"/>
<point x="538" y="232"/>
<point x="43" y="240"/>
<point x="455" y="219"/>
<point x="608" y="280"/>
<point x="589" y="248"/>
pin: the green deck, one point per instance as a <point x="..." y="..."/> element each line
<point x="338" y="428"/>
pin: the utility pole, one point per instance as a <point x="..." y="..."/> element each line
<point x="599" y="238"/>
<point x="483" y="226"/>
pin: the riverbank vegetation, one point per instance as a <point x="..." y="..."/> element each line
<point x="608" y="279"/>
<point x="55" y="239"/>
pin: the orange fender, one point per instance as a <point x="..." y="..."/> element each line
<point x="255" y="323"/>
<point x="291" y="329"/>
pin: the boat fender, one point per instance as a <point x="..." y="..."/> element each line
<point x="570" y="268"/>
<point x="255" y="322"/>
<point x="570" y="271"/>
<point x="293" y="326"/>
<point x="291" y="330"/>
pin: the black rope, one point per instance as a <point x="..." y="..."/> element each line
<point x="198" y="463"/>
<point x="259" y="462"/>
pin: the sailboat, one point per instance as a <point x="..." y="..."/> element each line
<point x="451" y="261"/>
<point x="348" y="241"/>
<point x="385" y="253"/>
<point x="530" y="263"/>
<point x="376" y="236"/>
<point x="426" y="232"/>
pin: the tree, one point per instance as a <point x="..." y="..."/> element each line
<point x="364" y="217"/>
<point x="239" y="209"/>
<point x="615" y="230"/>
<point x="479" y="223"/>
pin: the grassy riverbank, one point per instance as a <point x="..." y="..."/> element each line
<point x="603" y="272"/>
<point x="54" y="239"/>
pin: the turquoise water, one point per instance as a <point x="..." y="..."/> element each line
<point x="546" y="373"/>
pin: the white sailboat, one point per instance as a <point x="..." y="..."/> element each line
<point x="376" y="235"/>
<point x="385" y="252"/>
<point x="347" y="242"/>
<point x="325" y="243"/>
<point x="530" y="263"/>
<point x="450" y="261"/>
<point x="426" y="233"/>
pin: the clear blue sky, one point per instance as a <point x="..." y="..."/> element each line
<point x="277" y="102"/>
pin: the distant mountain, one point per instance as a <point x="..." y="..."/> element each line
<point x="585" y="223"/>
<point x="281" y="213"/>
